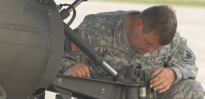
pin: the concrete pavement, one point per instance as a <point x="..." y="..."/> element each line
<point x="191" y="25"/>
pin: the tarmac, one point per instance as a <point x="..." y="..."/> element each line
<point x="191" y="25"/>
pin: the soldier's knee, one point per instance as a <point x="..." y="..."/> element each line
<point x="184" y="89"/>
<point x="197" y="91"/>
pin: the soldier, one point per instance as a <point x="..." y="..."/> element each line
<point x="127" y="38"/>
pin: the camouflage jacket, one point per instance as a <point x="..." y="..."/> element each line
<point x="104" y="32"/>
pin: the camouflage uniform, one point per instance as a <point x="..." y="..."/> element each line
<point x="105" y="33"/>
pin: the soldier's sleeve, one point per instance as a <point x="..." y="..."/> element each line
<point x="182" y="60"/>
<point x="74" y="55"/>
<point x="71" y="56"/>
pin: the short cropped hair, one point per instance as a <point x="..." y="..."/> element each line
<point x="162" y="20"/>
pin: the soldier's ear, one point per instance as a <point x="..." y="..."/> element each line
<point x="138" y="25"/>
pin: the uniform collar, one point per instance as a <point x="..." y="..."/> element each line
<point x="119" y="41"/>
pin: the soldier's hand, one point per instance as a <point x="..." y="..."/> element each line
<point x="80" y="70"/>
<point x="164" y="77"/>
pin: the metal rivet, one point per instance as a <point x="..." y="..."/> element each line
<point x="103" y="91"/>
<point x="137" y="81"/>
<point x="60" y="81"/>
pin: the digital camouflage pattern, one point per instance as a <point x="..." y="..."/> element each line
<point x="104" y="32"/>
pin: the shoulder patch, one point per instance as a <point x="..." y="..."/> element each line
<point x="188" y="55"/>
<point x="74" y="47"/>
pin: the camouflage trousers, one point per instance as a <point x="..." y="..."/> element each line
<point x="185" y="89"/>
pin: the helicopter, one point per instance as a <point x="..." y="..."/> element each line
<point x="32" y="42"/>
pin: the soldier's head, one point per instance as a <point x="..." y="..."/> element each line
<point x="154" y="28"/>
